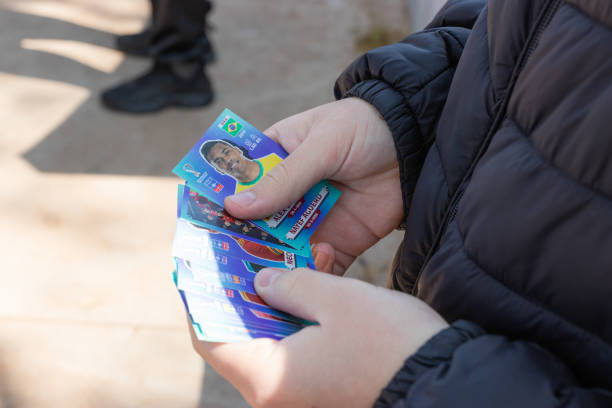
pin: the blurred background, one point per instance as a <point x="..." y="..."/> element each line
<point x="89" y="316"/>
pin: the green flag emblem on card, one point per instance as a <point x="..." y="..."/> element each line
<point x="230" y="125"/>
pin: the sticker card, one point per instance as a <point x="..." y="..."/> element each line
<point x="201" y="211"/>
<point x="186" y="283"/>
<point x="208" y="247"/>
<point x="221" y="333"/>
<point x="228" y="331"/>
<point x="204" y="310"/>
<point x="231" y="157"/>
<point x="199" y="273"/>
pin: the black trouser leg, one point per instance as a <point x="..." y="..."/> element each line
<point x="180" y="48"/>
<point x="179" y="32"/>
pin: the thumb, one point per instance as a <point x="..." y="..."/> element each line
<point x="302" y="292"/>
<point x="284" y="184"/>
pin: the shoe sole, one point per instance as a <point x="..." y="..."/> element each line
<point x="191" y="100"/>
<point x="182" y="100"/>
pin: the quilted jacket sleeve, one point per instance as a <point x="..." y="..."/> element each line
<point x="463" y="366"/>
<point x="408" y="83"/>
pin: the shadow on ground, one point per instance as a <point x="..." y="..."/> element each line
<point x="92" y="140"/>
<point x="264" y="75"/>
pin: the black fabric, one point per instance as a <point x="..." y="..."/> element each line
<point x="411" y="108"/>
<point x="179" y="31"/>
<point x="464" y="367"/>
<point x="500" y="112"/>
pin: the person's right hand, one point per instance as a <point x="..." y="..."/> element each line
<point x="347" y="142"/>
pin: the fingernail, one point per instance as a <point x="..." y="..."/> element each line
<point x="266" y="277"/>
<point x="244" y="199"/>
<point x="322" y="260"/>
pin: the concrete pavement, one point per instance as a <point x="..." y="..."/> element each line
<point x="88" y="314"/>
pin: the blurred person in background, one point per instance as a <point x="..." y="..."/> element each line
<point x="176" y="40"/>
<point x="487" y="137"/>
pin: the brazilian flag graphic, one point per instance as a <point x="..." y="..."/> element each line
<point x="231" y="126"/>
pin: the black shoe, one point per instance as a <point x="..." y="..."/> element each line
<point x="157" y="89"/>
<point x="135" y="44"/>
<point x="208" y="52"/>
<point x="139" y="45"/>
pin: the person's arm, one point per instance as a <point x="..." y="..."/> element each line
<point x="463" y="366"/>
<point x="408" y="83"/>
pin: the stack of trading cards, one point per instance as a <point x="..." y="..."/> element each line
<point x="216" y="255"/>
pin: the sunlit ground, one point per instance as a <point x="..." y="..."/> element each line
<point x="79" y="269"/>
<point x="115" y="17"/>
<point x="88" y="313"/>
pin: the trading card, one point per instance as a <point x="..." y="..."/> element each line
<point x="231" y="157"/>
<point x="219" y="333"/>
<point x="203" y="246"/>
<point x="204" y="309"/>
<point x="223" y="333"/>
<point x="235" y="298"/>
<point x="226" y="333"/>
<point x="240" y="270"/>
<point x="245" y="271"/>
<point x="210" y="290"/>
<point x="199" y="210"/>
<point x="199" y="273"/>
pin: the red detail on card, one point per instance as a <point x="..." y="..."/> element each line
<point x="312" y="219"/>
<point x="296" y="207"/>
<point x="250" y="297"/>
<point x="312" y="208"/>
<point x="268" y="316"/>
<point x="218" y="188"/>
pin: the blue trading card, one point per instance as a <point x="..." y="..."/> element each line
<point x="221" y="322"/>
<point x="204" y="310"/>
<point x="220" y="333"/>
<point x="209" y="313"/>
<point x="242" y="272"/>
<point x="202" y="246"/>
<point x="224" y="329"/>
<point x="200" y="273"/>
<point x="231" y="157"/>
<point x="199" y="210"/>
<point x="186" y="283"/>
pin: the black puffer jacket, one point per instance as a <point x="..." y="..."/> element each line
<point x="502" y="117"/>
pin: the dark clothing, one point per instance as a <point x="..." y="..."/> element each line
<point x="178" y="31"/>
<point x="502" y="114"/>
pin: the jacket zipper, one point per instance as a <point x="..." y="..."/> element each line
<point x="549" y="12"/>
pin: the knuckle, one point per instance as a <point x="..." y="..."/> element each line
<point x="292" y="281"/>
<point x="273" y="133"/>
<point x="280" y="174"/>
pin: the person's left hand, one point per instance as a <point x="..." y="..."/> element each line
<point x="364" y="335"/>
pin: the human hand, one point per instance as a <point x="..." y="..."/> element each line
<point x="364" y="335"/>
<point x="347" y="142"/>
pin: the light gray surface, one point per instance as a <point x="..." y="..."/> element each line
<point x="88" y="314"/>
<point x="422" y="11"/>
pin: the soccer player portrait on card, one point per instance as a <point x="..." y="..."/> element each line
<point x="228" y="158"/>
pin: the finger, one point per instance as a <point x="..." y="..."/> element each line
<point x="324" y="257"/>
<point x="283" y="185"/>
<point x="303" y="292"/>
<point x="239" y="363"/>
<point x="292" y="131"/>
